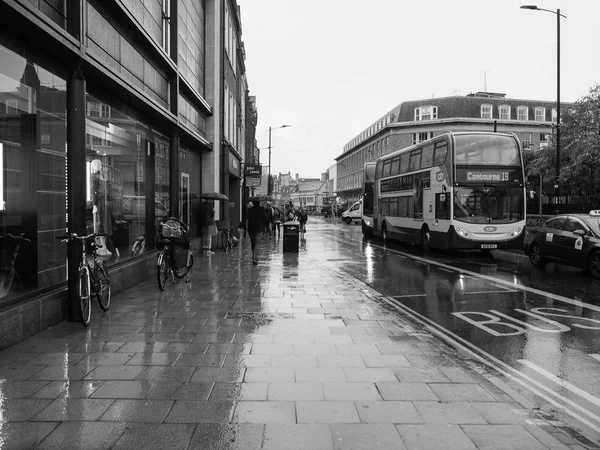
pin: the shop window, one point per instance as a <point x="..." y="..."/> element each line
<point x="32" y="177"/>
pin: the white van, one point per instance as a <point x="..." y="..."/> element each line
<point x="353" y="214"/>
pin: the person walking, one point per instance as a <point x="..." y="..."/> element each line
<point x="276" y="220"/>
<point x="207" y="222"/>
<point x="256" y="219"/>
<point x="269" y="224"/>
<point x="302" y="218"/>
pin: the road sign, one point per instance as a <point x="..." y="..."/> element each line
<point x="253" y="173"/>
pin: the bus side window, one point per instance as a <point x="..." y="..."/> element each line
<point x="427" y="157"/>
<point x="441" y="148"/>
<point x="404" y="162"/>
<point x="386" y="168"/>
<point x="442" y="206"/>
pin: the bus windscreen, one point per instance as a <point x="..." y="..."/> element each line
<point x="478" y="150"/>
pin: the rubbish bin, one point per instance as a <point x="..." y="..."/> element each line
<point x="291" y="236"/>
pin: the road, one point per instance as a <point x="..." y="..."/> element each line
<point x="540" y="328"/>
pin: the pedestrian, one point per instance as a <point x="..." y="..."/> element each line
<point x="207" y="222"/>
<point x="276" y="220"/>
<point x="269" y="223"/>
<point x="256" y="219"/>
<point x="302" y="218"/>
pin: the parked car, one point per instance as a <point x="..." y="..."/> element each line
<point x="571" y="239"/>
<point x="353" y="214"/>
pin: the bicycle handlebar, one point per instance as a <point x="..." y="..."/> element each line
<point x="75" y="236"/>
<point x="17" y="237"/>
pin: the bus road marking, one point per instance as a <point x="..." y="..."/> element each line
<point x="595" y="356"/>
<point x="562" y="383"/>
<point x="491" y="292"/>
<point x="407" y="295"/>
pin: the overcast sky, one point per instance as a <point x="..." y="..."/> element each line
<point x="330" y="68"/>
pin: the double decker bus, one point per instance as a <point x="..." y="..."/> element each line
<point x="459" y="190"/>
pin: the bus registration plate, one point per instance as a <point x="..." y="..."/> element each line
<point x="489" y="245"/>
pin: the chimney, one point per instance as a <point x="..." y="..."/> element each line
<point x="297" y="178"/>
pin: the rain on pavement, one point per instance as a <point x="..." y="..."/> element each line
<point x="304" y="350"/>
<point x="545" y="324"/>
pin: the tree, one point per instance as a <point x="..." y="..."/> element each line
<point x="579" y="146"/>
<point x="580" y="141"/>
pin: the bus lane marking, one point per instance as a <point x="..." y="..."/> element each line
<point x="595" y="356"/>
<point x="562" y="383"/>
<point x="576" y="411"/>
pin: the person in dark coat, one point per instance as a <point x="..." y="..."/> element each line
<point x="256" y="219"/>
<point x="207" y="222"/>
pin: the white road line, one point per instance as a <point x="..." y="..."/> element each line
<point x="407" y="295"/>
<point x="565" y="384"/>
<point x="595" y="356"/>
<point x="509" y="284"/>
<point x="490" y="292"/>
<point x="489" y="360"/>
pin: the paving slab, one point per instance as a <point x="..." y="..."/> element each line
<point x="288" y="353"/>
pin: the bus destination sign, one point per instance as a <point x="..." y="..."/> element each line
<point x="480" y="175"/>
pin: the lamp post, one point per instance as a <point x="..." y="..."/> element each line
<point x="558" y="16"/>
<point x="269" y="178"/>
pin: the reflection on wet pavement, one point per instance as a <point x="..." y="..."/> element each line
<point x="290" y="353"/>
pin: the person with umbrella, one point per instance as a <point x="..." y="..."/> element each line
<point x="256" y="219"/>
<point x="206" y="219"/>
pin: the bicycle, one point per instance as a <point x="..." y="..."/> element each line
<point x="174" y="255"/>
<point x="92" y="277"/>
<point x="226" y="232"/>
<point x="8" y="274"/>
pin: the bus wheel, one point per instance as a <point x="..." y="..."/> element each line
<point x="425" y="239"/>
<point x="348" y="220"/>
<point x="384" y="235"/>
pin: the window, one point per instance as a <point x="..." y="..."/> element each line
<point x="554" y="115"/>
<point x="420" y="137"/>
<point x="441" y="149"/>
<point x="526" y="139"/>
<point x="540" y="114"/>
<point x="404" y="162"/>
<point x="166" y="25"/>
<point x="12" y="106"/>
<point x="486" y="111"/>
<point x="415" y="160"/>
<point x="504" y="112"/>
<point x="522" y="113"/>
<point x="427" y="157"/>
<point x="386" y="168"/>
<point x="395" y="166"/>
<point x="426" y="113"/>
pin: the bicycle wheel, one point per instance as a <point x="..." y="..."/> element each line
<point x="6" y="283"/>
<point x="224" y="243"/>
<point x="84" y="304"/>
<point x="103" y="286"/>
<point x="161" y="270"/>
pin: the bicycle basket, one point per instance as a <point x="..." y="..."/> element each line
<point x="172" y="229"/>
<point x="222" y="224"/>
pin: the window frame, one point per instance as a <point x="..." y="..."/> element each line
<point x="485" y="111"/>
<point x="520" y="109"/>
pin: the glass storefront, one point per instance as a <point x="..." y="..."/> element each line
<point x="32" y="176"/>
<point x="123" y="154"/>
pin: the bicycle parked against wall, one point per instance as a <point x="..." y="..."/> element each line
<point x="227" y="234"/>
<point x="9" y="273"/>
<point x="92" y="278"/>
<point x="174" y="254"/>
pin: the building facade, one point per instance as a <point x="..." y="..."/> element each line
<point x="414" y="121"/>
<point x="113" y="113"/>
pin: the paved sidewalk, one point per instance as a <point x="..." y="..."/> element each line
<point x="289" y="354"/>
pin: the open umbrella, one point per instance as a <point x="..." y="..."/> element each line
<point x="261" y="198"/>
<point x="214" y="196"/>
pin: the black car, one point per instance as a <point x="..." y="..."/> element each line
<point x="572" y="239"/>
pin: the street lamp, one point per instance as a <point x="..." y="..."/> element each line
<point x="269" y="179"/>
<point x="558" y="16"/>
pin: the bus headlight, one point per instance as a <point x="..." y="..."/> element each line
<point x="461" y="232"/>
<point x="368" y="222"/>
<point x="515" y="233"/>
